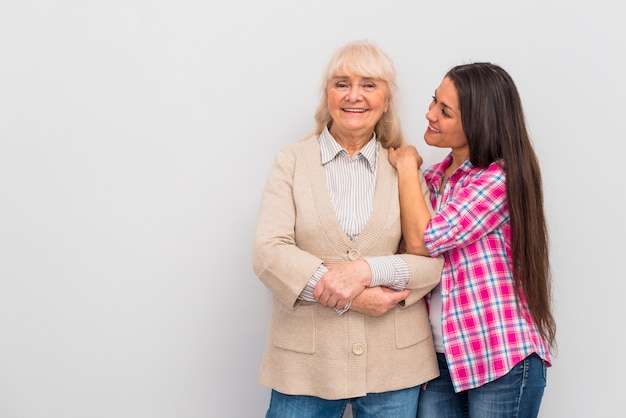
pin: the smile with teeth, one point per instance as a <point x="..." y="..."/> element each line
<point x="433" y="129"/>
<point x="354" y="110"/>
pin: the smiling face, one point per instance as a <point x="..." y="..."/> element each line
<point x="356" y="104"/>
<point x="445" y="128"/>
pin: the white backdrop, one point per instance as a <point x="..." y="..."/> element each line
<point x="136" y="137"/>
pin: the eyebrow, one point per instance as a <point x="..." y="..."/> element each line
<point x="344" y="76"/>
<point x="445" y="106"/>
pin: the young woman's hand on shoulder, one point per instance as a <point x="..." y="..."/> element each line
<point x="405" y="156"/>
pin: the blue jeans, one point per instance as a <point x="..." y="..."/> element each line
<point x="517" y="394"/>
<point x="393" y="404"/>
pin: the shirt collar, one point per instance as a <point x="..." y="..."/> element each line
<point x="330" y="148"/>
<point x="467" y="165"/>
<point x="434" y="174"/>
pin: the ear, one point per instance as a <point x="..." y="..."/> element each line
<point x="387" y="103"/>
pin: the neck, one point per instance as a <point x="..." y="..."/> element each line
<point x="351" y="142"/>
<point x="458" y="157"/>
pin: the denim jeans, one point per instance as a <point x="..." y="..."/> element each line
<point x="393" y="404"/>
<point x="516" y="395"/>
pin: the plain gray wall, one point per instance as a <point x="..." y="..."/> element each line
<point x="136" y="137"/>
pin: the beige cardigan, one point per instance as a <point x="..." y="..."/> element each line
<point x="311" y="350"/>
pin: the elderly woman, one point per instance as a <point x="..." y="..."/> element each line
<point x="349" y="323"/>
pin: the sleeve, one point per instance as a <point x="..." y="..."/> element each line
<point x="425" y="274"/>
<point x="389" y="271"/>
<point x="478" y="208"/>
<point x="282" y="267"/>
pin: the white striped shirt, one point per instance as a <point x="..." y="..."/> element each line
<point x="352" y="183"/>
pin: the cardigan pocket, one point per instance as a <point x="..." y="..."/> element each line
<point x="412" y="325"/>
<point x="295" y="329"/>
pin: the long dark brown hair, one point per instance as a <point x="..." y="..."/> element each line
<point x="495" y="127"/>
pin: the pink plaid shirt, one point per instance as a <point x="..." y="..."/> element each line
<point x="486" y="328"/>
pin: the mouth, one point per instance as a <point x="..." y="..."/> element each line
<point x="353" y="110"/>
<point x="432" y="129"/>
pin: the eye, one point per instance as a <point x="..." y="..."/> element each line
<point x="369" y="86"/>
<point x="443" y="109"/>
<point x="341" y="85"/>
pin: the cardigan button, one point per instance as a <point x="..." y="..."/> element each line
<point x="354" y="254"/>
<point x="358" y="349"/>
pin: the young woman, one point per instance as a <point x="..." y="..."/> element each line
<point x="491" y="316"/>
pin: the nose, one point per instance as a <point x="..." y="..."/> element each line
<point x="354" y="93"/>
<point x="430" y="115"/>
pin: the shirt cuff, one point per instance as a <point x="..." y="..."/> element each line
<point x="344" y="309"/>
<point x="307" y="292"/>
<point x="389" y="271"/>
